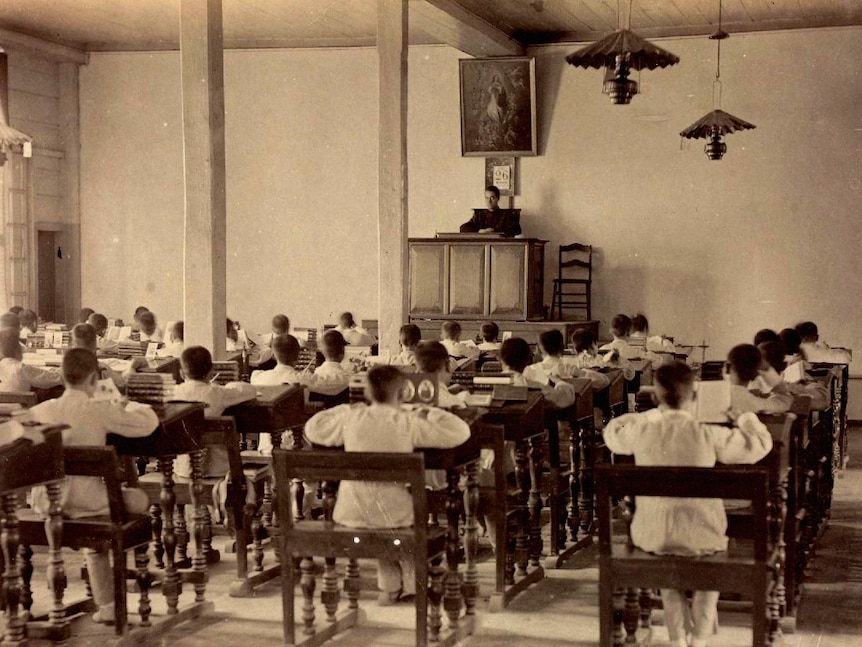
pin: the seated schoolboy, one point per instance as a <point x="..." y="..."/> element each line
<point x="791" y="340"/>
<point x="176" y="340"/>
<point x="9" y="320"/>
<point x="587" y="355"/>
<point x="28" y="321"/>
<point x="409" y="337"/>
<point x="84" y="315"/>
<point x="197" y="368"/>
<point x="148" y="328"/>
<point x="285" y="348"/>
<point x="84" y="336"/>
<point x="136" y="318"/>
<point x="654" y="343"/>
<point x="746" y="364"/>
<point x="490" y="333"/>
<point x="620" y="328"/>
<point x="554" y="365"/>
<point x="432" y="357"/>
<point x="383" y="426"/>
<point x="17" y="376"/>
<point x="331" y="377"/>
<point x="90" y="422"/>
<point x="670" y="435"/>
<point x="764" y="335"/>
<point x="774" y="355"/>
<point x="354" y="335"/>
<point x="515" y="355"/>
<point x="450" y="337"/>
<point x="816" y="350"/>
<point x="99" y="322"/>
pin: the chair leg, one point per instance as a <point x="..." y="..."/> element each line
<point x="182" y="533"/>
<point x="307" y="584"/>
<point x="156" y="525"/>
<point x="142" y="561"/>
<point x="435" y="597"/>
<point x="329" y="595"/>
<point x="119" y="567"/>
<point x="56" y="571"/>
<point x="25" y="553"/>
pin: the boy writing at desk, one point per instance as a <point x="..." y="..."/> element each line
<point x="383" y="426"/>
<point x="747" y="365"/>
<point x="17" y="376"/>
<point x="90" y="422"/>
<point x="670" y="435"/>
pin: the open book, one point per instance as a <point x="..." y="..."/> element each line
<point x="713" y="400"/>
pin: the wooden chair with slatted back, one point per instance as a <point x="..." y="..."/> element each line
<point x="116" y="532"/>
<point x="304" y="538"/>
<point x="244" y="518"/>
<point x="574" y="292"/>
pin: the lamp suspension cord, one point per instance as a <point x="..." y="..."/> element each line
<point x="716" y="85"/>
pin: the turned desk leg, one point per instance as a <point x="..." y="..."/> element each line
<point x="171" y="585"/>
<point x="535" y="499"/>
<point x="471" y="538"/>
<point x="522" y="476"/>
<point x="9" y="536"/>
<point x="202" y="530"/>
<point x="452" y="583"/>
<point x="56" y="571"/>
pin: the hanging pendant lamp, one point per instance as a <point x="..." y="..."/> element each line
<point x="714" y="125"/>
<point x="620" y="53"/>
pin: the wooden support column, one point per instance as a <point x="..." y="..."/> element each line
<point x="70" y="183"/>
<point x="392" y="41"/>
<point x="205" y="272"/>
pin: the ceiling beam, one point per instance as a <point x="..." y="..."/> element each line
<point x="679" y="31"/>
<point x="450" y="23"/>
<point x="12" y="41"/>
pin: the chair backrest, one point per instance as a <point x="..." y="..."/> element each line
<point x="101" y="462"/>
<point x="25" y="398"/>
<point x="23" y="464"/>
<point x="577" y="256"/>
<point x="721" y="482"/>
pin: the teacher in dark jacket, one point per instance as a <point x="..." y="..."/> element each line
<point x="493" y="219"/>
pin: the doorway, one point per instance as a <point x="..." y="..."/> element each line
<point x="46" y="272"/>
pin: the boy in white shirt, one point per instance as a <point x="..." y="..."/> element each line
<point x="409" y="337"/>
<point x="90" y="422"/>
<point x="84" y="336"/>
<point x="620" y="328"/>
<point x="450" y="337"/>
<point x="17" y="376"/>
<point x="330" y="378"/>
<point x="587" y="355"/>
<point x="383" y="426"/>
<point x="774" y="355"/>
<point x="99" y="322"/>
<point x="149" y="330"/>
<point x="490" y="333"/>
<point x="197" y="366"/>
<point x="815" y="350"/>
<point x="554" y="365"/>
<point x="746" y="365"/>
<point x="285" y="348"/>
<point x="515" y="355"/>
<point x="354" y="335"/>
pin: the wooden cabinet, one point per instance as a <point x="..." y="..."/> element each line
<point x="476" y="277"/>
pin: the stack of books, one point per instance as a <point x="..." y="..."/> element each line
<point x="150" y="387"/>
<point x="130" y="347"/>
<point x="225" y="372"/>
<point x="36" y="340"/>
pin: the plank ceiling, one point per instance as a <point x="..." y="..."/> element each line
<point x="501" y="26"/>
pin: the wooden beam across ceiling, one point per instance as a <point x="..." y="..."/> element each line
<point x="448" y="22"/>
<point x="12" y="41"/>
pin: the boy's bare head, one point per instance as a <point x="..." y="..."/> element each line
<point x="409" y="336"/>
<point x="791" y="340"/>
<point x="10" y="343"/>
<point x="286" y="349"/>
<point x="432" y="357"/>
<point x="80" y="367"/>
<point x="280" y="325"/>
<point x="84" y="336"/>
<point x="763" y="335"/>
<point x="515" y="354"/>
<point x="551" y="343"/>
<point x="621" y="325"/>
<point x="27" y="319"/>
<point x="178" y="331"/>
<point x="332" y="345"/>
<point x="808" y="332"/>
<point x="384" y="384"/>
<point x="583" y="340"/>
<point x="451" y="330"/>
<point x="84" y="314"/>
<point x="490" y="331"/>
<point x="773" y="354"/>
<point x="346" y="320"/>
<point x="674" y="384"/>
<point x="640" y="323"/>
<point x="745" y="361"/>
<point x="197" y="363"/>
<point x="99" y="322"/>
<point x="148" y="322"/>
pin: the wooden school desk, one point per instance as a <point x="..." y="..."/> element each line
<point x="522" y="423"/>
<point x="179" y="432"/>
<point x="24" y="464"/>
<point x="274" y="410"/>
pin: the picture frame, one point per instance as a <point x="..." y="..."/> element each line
<point x="498" y="106"/>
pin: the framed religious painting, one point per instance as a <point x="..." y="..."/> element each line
<point x="498" y="106"/>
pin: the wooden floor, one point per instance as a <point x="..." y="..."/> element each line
<point x="560" y="610"/>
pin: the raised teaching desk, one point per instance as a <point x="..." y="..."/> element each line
<point x="522" y="423"/>
<point x="181" y="426"/>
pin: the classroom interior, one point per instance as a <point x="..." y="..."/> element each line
<point x="711" y="251"/>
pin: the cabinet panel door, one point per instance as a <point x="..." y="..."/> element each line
<point x="427" y="280"/>
<point x="466" y="279"/>
<point x="508" y="294"/>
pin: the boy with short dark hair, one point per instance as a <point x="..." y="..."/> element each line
<point x="490" y="332"/>
<point x="383" y="426"/>
<point x="670" y="435"/>
<point x="746" y="364"/>
<point x="815" y="350"/>
<point x="90" y="421"/>
<point x="17" y="376"/>
<point x="409" y="337"/>
<point x="450" y="337"/>
<point x="554" y="365"/>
